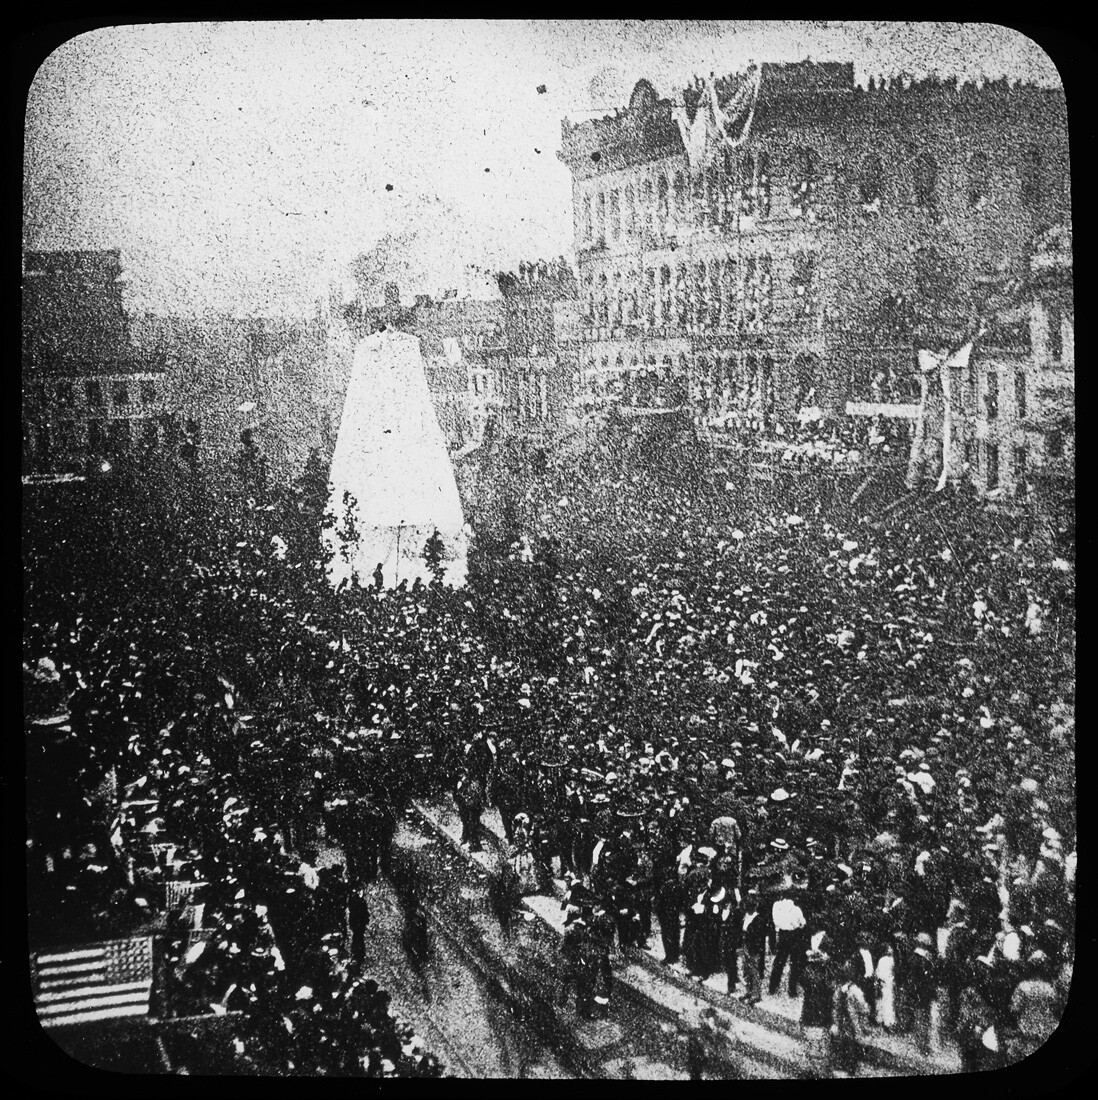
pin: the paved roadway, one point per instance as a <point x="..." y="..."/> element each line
<point x="493" y="1005"/>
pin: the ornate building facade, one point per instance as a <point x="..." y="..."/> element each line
<point x="540" y="381"/>
<point x="786" y="238"/>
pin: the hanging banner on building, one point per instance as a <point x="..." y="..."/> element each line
<point x="936" y="415"/>
<point x="734" y="102"/>
<point x="392" y="480"/>
<point x="723" y="115"/>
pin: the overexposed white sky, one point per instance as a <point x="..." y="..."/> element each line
<point x="241" y="166"/>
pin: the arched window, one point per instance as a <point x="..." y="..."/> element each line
<point x="648" y="205"/>
<point x="587" y="228"/>
<point x="665" y="295"/>
<point x="663" y="383"/>
<point x="734" y="395"/>
<point x="647" y="383"/>
<point x="803" y="282"/>
<point x="683" y="297"/>
<point x="615" y="215"/>
<point x="631" y="307"/>
<point x="618" y="301"/>
<point x="766" y="287"/>
<point x="751" y="382"/>
<point x="603" y="301"/>
<point x="762" y="185"/>
<point x="767" y="395"/>
<point x="806" y="370"/>
<point x="697" y="195"/>
<point x="730" y="293"/>
<point x="924" y="176"/>
<point x="702" y="390"/>
<point x="872" y="178"/>
<point x="701" y="297"/>
<point x="661" y="207"/>
<point x="630" y="210"/>
<point x="600" y="214"/>
<point x="681" y="203"/>
<point x="803" y="182"/>
<point x="712" y="196"/>
<point x="650" y="298"/>
<point x="750" y="295"/>
<point x="747" y="186"/>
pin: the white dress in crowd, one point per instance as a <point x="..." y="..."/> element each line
<point x="886" y="1002"/>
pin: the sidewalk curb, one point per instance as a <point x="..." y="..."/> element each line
<point x="874" y="1054"/>
<point x="790" y="1068"/>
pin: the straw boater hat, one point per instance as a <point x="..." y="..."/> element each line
<point x="780" y="844"/>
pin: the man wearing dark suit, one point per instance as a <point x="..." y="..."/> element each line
<point x="754" y="930"/>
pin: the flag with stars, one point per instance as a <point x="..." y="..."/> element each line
<point x="99" y="981"/>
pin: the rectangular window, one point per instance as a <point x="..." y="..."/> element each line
<point x="993" y="466"/>
<point x="972" y="455"/>
<point x="1020" y="402"/>
<point x="766" y="286"/>
<point x="148" y="392"/>
<point x="1055" y="333"/>
<point x="615" y="215"/>
<point x="64" y="395"/>
<point x="120" y="392"/>
<point x="95" y="437"/>
<point x="64" y="436"/>
<point x="149" y="436"/>
<point x="763" y="185"/>
<point x="1055" y="445"/>
<point x="991" y="401"/>
<point x="587" y="218"/>
<point x="767" y="395"/>
<point x="1020" y="471"/>
<point x="94" y="391"/>
<point x="121" y="435"/>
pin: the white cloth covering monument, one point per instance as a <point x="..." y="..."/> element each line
<point x="392" y="483"/>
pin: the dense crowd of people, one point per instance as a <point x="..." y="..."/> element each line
<point x="845" y="731"/>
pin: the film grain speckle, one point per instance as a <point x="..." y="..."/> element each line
<point x="549" y="550"/>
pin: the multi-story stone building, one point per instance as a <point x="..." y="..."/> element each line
<point x="1025" y="427"/>
<point x="89" y="395"/>
<point x="540" y="378"/>
<point x="787" y="238"/>
<point x="464" y="346"/>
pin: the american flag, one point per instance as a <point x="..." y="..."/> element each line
<point x="100" y="981"/>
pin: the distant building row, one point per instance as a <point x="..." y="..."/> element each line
<point x="797" y="250"/>
<point x="763" y="243"/>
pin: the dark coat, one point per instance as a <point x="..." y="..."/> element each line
<point x="819" y="988"/>
<point x="754" y="938"/>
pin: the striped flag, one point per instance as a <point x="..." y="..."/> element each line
<point x="100" y="981"/>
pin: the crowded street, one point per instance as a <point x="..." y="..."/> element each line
<point x="549" y="551"/>
<point x="225" y="696"/>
